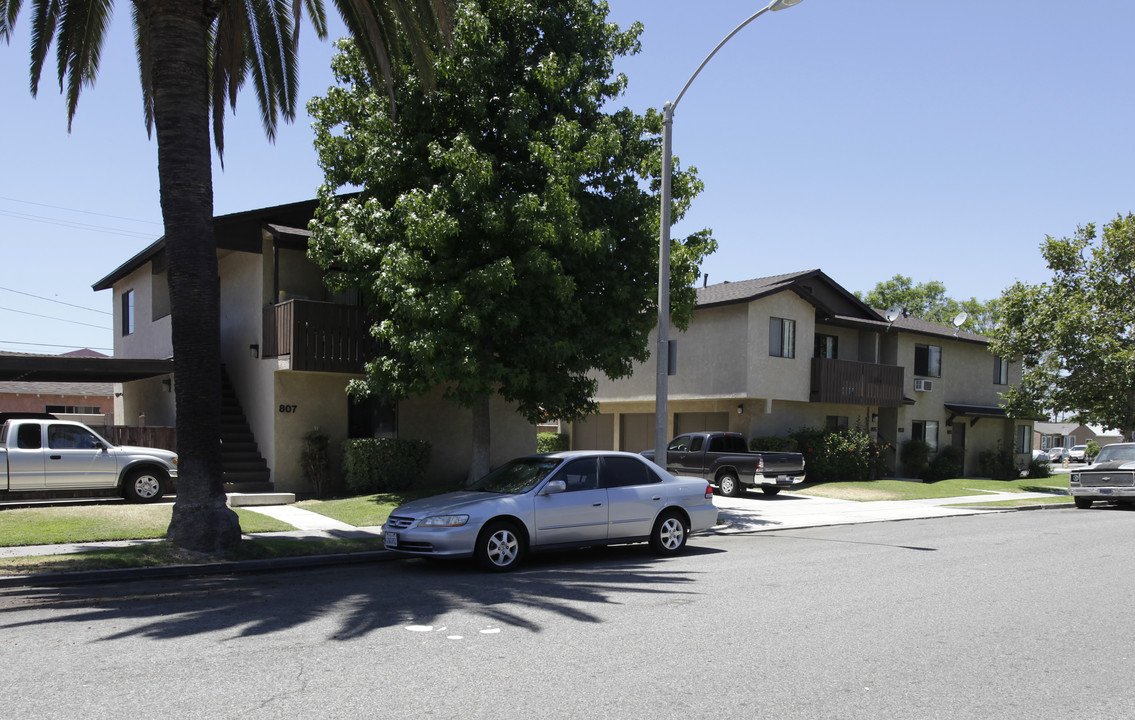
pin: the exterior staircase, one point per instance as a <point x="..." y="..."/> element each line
<point x="245" y="470"/>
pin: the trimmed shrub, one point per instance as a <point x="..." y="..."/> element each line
<point x="384" y="464"/>
<point x="846" y="454"/>
<point x="548" y="442"/>
<point x="315" y="461"/>
<point x="998" y="464"/>
<point x="773" y="443"/>
<point x="1039" y="469"/>
<point x="915" y="457"/>
<point x="945" y="465"/>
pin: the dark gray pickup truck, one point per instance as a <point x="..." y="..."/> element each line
<point x="724" y="459"/>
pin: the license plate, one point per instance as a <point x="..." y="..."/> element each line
<point x="783" y="480"/>
<point x="1105" y="491"/>
<point x="391" y="539"/>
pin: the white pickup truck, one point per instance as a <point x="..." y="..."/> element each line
<point x="45" y="455"/>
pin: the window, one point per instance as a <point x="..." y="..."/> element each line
<point x="781" y="338"/>
<point x="1024" y="439"/>
<point x="1000" y="371"/>
<point x="71" y="437"/>
<point x="128" y="312"/>
<point x="73" y="409"/>
<point x="928" y="360"/>
<point x="836" y="422"/>
<point x="927" y="432"/>
<point x="622" y="471"/>
<point x="28" y="437"/>
<point x="582" y="474"/>
<point x="827" y="346"/>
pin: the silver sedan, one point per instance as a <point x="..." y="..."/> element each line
<point x="559" y="500"/>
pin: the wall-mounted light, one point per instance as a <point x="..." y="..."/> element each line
<point x="254" y="350"/>
<point x="740" y="409"/>
<point x="874" y="418"/>
<point x="167" y="384"/>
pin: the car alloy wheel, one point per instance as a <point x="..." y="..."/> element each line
<point x="669" y="534"/>
<point x="499" y="547"/>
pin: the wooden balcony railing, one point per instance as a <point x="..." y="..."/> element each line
<point x="317" y="336"/>
<point x="856" y="383"/>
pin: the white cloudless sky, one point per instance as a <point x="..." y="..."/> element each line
<point x="942" y="141"/>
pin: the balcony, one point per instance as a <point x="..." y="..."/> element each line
<point x="316" y="336"/>
<point x="856" y="383"/>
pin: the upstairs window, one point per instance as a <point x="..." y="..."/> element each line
<point x="781" y="337"/>
<point x="928" y="361"/>
<point x="1000" y="371"/>
<point x="827" y="346"/>
<point x="128" y="312"/>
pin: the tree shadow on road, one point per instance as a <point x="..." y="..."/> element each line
<point x="365" y="597"/>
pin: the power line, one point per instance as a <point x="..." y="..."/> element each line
<point x="60" y="302"/>
<point x="80" y="226"/>
<point x="85" y="212"/>
<point x="88" y="347"/>
<point x="48" y="317"/>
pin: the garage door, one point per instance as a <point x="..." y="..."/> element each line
<point x="595" y="433"/>
<point x="636" y="432"/>
<point x="700" y="422"/>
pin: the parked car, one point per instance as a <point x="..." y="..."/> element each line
<point x="1111" y="477"/>
<point x="1041" y="456"/>
<point x="42" y="454"/>
<point x="725" y="460"/>
<point x="1059" y="454"/>
<point x="557" y="500"/>
<point x="1078" y="453"/>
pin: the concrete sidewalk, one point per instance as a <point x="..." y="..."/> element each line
<point x="753" y="513"/>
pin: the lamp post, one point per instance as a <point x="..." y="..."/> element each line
<point x="662" y="352"/>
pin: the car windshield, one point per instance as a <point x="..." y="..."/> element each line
<point x="516" y="477"/>
<point x="1116" y="453"/>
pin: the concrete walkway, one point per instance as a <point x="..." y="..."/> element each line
<point x="753" y="513"/>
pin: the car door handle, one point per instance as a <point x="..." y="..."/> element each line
<point x="656" y="497"/>
<point x="597" y="505"/>
<point x="56" y="457"/>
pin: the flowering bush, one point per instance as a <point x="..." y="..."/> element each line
<point x="844" y="454"/>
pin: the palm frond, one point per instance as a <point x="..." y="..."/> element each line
<point x="9" y="10"/>
<point x="145" y="65"/>
<point x="81" y="31"/>
<point x="45" y="16"/>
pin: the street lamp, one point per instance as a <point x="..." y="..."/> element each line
<point x="662" y="352"/>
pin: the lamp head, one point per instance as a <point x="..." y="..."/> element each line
<point x="781" y="4"/>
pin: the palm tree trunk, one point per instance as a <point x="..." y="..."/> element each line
<point x="201" y="519"/>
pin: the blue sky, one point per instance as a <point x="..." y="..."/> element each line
<point x="941" y="141"/>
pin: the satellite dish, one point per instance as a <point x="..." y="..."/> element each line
<point x="960" y="318"/>
<point x="893" y="314"/>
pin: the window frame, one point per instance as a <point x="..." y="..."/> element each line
<point x="1000" y="371"/>
<point x="919" y="430"/>
<point x="826" y="339"/>
<point x="930" y="362"/>
<point x="782" y="337"/>
<point x="129" y="312"/>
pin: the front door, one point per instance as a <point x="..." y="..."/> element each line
<point x="959" y="443"/>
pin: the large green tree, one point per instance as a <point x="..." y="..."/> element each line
<point x="929" y="301"/>
<point x="506" y="232"/>
<point x="1075" y="335"/>
<point x="193" y="58"/>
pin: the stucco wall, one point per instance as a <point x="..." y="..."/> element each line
<point x="780" y="378"/>
<point x="449" y="429"/>
<point x="151" y="337"/>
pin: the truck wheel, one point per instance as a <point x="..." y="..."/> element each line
<point x="770" y="490"/>
<point x="1083" y="502"/>
<point x="729" y="485"/>
<point x="144" y="485"/>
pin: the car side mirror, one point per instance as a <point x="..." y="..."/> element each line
<point x="554" y="487"/>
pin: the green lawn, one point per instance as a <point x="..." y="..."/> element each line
<point x="365" y="510"/>
<point x="92" y="523"/>
<point x="902" y="490"/>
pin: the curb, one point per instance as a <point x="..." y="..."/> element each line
<point x="181" y="571"/>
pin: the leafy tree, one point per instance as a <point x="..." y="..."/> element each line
<point x="929" y="301"/>
<point x="193" y="57"/>
<point x="505" y="235"/>
<point x="1075" y="336"/>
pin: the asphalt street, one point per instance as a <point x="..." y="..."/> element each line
<point x="1004" y="615"/>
